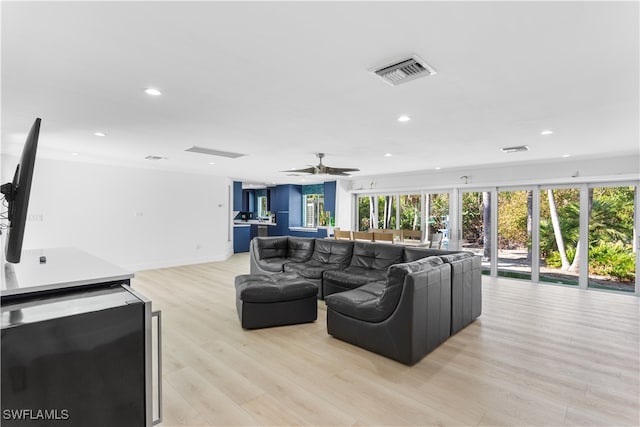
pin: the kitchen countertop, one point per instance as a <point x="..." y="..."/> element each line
<point x="240" y="223"/>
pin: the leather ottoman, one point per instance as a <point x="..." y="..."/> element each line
<point x="275" y="300"/>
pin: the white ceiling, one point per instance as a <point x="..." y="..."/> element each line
<point x="282" y="81"/>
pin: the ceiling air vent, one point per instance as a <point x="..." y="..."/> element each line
<point x="404" y="71"/>
<point x="516" y="149"/>
<point x="212" y="152"/>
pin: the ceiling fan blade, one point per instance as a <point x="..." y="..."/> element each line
<point x="321" y="169"/>
<point x="305" y="170"/>
<point x="339" y="171"/>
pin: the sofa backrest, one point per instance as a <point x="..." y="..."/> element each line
<point x="413" y="254"/>
<point x="300" y="248"/>
<point x="272" y="247"/>
<point x="396" y="276"/>
<point x="329" y="251"/>
<point x="397" y="272"/>
<point x="456" y="256"/>
<point x="376" y="256"/>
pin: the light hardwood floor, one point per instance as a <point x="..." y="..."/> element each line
<point x="538" y="355"/>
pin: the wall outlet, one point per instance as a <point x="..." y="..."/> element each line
<point x="35" y="217"/>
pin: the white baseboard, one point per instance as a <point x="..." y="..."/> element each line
<point x="177" y="262"/>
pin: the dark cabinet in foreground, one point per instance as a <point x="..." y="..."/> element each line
<point x="77" y="355"/>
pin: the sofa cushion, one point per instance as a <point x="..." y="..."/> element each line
<point x="310" y="269"/>
<point x="353" y="277"/>
<point x="337" y="252"/>
<point x="376" y="256"/>
<point x="273" y="264"/>
<point x="300" y="248"/>
<point x="266" y="288"/>
<point x="362" y="303"/>
<point x="272" y="247"/>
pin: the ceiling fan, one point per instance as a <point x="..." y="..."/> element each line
<point x="321" y="169"/>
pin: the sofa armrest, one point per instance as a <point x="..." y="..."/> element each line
<point x="466" y="289"/>
<point x="259" y="266"/>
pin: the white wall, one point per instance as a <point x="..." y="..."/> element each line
<point x="560" y="171"/>
<point x="343" y="204"/>
<point x="136" y="218"/>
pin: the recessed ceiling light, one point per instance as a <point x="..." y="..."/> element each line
<point x="388" y="154"/>
<point x="99" y="134"/>
<point x="74" y="154"/>
<point x="212" y="163"/>
<point x="404" y="118"/>
<point x="153" y="92"/>
<point x="566" y="155"/>
<point x="438" y="168"/>
<point x="546" y="132"/>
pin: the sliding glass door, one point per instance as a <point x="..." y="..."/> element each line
<point x="437" y="214"/>
<point x="559" y="235"/>
<point x="515" y="220"/>
<point x="387" y="217"/>
<point x="612" y="239"/>
<point x="579" y="235"/>
<point x="476" y="225"/>
<point x="366" y="215"/>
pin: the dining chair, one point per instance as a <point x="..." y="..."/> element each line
<point x="411" y="236"/>
<point x="342" y="234"/>
<point x="435" y="241"/>
<point x="383" y="237"/>
<point x="362" y="235"/>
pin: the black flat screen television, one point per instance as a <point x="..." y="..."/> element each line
<point x="16" y="193"/>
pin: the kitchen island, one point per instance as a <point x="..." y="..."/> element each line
<point x="244" y="231"/>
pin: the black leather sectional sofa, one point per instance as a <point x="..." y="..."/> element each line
<point x="398" y="301"/>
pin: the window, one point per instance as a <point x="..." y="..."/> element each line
<point x="313" y="213"/>
<point x="262" y="207"/>
<point x="261" y="203"/>
<point x="313" y="210"/>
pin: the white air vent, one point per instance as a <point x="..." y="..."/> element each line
<point x="211" y="152"/>
<point x="404" y="70"/>
<point x="155" y="158"/>
<point x="516" y="149"/>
